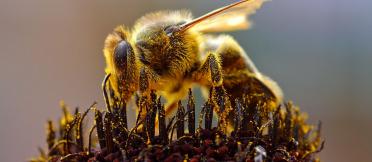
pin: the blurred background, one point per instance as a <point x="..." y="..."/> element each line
<point x="319" y="51"/>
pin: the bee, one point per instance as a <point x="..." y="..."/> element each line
<point x="169" y="52"/>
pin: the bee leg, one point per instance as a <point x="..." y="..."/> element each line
<point x="241" y="78"/>
<point x="144" y="90"/>
<point x="143" y="81"/>
<point x="147" y="80"/>
<point x="240" y="75"/>
<point x="210" y="73"/>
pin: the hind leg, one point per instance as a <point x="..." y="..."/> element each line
<point x="210" y="73"/>
<point x="240" y="76"/>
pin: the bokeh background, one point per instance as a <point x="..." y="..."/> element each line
<point x="319" y="51"/>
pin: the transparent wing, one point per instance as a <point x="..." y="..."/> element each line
<point x="235" y="18"/>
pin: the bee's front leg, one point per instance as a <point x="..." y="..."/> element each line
<point x="210" y="73"/>
<point x="147" y="80"/>
<point x="144" y="80"/>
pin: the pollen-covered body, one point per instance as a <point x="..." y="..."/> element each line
<point x="166" y="63"/>
<point x="163" y="53"/>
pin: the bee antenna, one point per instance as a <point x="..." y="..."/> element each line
<point x="104" y="83"/>
<point x="188" y="25"/>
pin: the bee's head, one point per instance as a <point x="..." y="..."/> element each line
<point x="166" y="49"/>
<point x="121" y="62"/>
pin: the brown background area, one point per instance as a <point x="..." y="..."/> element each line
<point x="319" y="52"/>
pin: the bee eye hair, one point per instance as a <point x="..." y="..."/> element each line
<point x="121" y="52"/>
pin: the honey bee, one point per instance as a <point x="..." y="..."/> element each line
<point x="169" y="52"/>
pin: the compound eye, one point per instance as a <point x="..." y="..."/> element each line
<point x="121" y="53"/>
